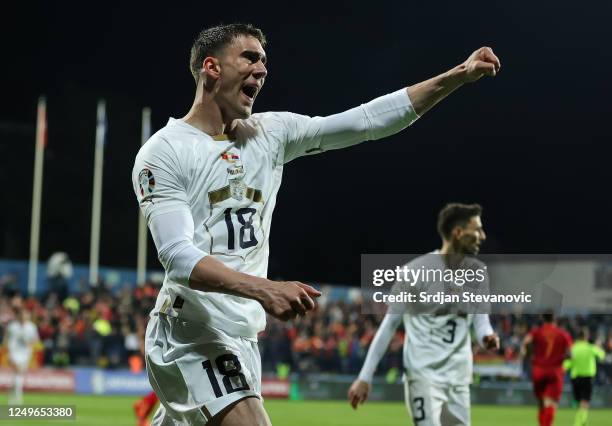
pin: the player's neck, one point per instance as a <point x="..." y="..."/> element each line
<point x="447" y="248"/>
<point x="206" y="115"/>
<point x="207" y="118"/>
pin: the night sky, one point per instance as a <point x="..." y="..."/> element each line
<point x="531" y="145"/>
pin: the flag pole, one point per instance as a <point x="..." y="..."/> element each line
<point x="141" y="265"/>
<point x="41" y="136"/>
<point x="96" y="204"/>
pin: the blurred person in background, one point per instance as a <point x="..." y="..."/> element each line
<point x="437" y="347"/>
<point x="582" y="365"/>
<point x="59" y="271"/>
<point x="9" y="285"/>
<point x="551" y="344"/>
<point x="21" y="335"/>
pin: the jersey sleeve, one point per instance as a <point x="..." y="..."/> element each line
<point x="376" y="119"/>
<point x="599" y="353"/>
<point x="379" y="345"/>
<point x="34" y="337"/>
<point x="482" y="327"/>
<point x="10" y="331"/>
<point x="161" y="189"/>
<point x="158" y="179"/>
<point x="173" y="233"/>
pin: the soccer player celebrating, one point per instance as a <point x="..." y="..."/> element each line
<point x="583" y="367"/>
<point x="21" y="335"/>
<point x="207" y="184"/>
<point x="437" y="349"/>
<point x="551" y="345"/>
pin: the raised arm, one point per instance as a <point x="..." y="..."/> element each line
<point x="426" y="94"/>
<point x="385" y="115"/>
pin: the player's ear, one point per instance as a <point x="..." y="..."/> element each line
<point x="457" y="231"/>
<point x="211" y="67"/>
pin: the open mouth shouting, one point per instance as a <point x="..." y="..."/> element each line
<point x="250" y="90"/>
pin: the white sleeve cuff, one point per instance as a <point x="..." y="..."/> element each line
<point x="389" y="114"/>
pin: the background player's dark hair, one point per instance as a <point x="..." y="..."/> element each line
<point x="456" y="214"/>
<point x="212" y="40"/>
<point x="548" y="316"/>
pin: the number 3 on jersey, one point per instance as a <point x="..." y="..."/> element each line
<point x="246" y="231"/>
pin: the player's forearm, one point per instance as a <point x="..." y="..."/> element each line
<point x="209" y="274"/>
<point x="426" y="94"/>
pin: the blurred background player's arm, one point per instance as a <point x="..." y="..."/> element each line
<point x="599" y="353"/>
<point x="527" y="340"/>
<point x="359" y="390"/>
<point x="567" y="364"/>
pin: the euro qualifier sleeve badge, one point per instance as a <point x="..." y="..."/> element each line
<point x="146" y="182"/>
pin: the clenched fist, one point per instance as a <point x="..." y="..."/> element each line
<point x="482" y="62"/>
<point x="285" y="300"/>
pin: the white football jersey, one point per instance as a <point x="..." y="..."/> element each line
<point x="229" y="188"/>
<point x="21" y="337"/>
<point x="438" y="346"/>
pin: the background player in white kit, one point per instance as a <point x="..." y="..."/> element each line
<point x="21" y="335"/>
<point x="207" y="184"/>
<point x="437" y="347"/>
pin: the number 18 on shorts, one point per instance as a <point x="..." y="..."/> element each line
<point x="194" y="382"/>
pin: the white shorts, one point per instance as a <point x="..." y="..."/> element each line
<point x="21" y="359"/>
<point x="435" y="405"/>
<point x="197" y="371"/>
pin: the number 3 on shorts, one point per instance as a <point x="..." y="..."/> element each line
<point x="229" y="367"/>
<point x="418" y="411"/>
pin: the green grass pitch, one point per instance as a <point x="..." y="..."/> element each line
<point x="117" y="411"/>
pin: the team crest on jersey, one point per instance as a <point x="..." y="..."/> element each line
<point x="236" y="181"/>
<point x="146" y="182"/>
<point x="229" y="157"/>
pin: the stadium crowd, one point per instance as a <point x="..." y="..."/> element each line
<point x="104" y="328"/>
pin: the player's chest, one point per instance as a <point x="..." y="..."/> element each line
<point x="234" y="175"/>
